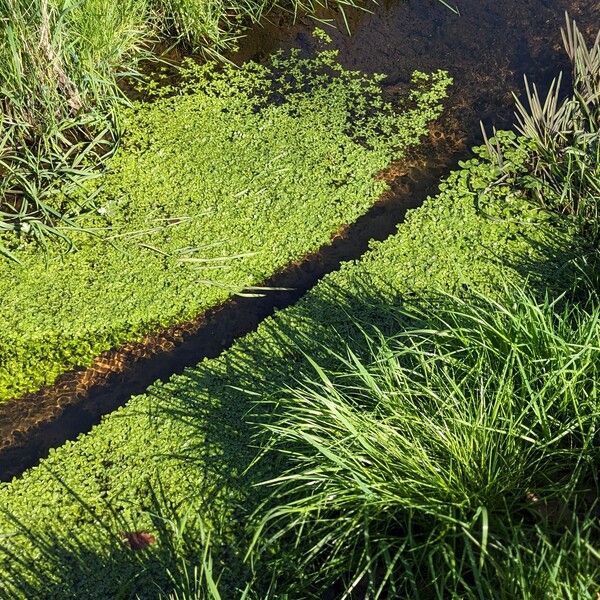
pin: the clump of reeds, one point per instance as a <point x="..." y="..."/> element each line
<point x="563" y="136"/>
<point x="454" y="459"/>
<point x="58" y="93"/>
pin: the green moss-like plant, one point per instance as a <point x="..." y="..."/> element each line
<point x="193" y="437"/>
<point x="215" y="188"/>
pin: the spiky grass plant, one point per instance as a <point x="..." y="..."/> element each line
<point x="57" y="97"/>
<point x="455" y="459"/>
<point x="563" y="134"/>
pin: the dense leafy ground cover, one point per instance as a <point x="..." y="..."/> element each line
<point x="175" y="462"/>
<point x="215" y="188"/>
<point x="60" y="65"/>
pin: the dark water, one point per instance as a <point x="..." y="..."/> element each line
<point x="487" y="48"/>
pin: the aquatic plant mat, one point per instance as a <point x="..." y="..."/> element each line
<point x="184" y="447"/>
<point x="217" y="186"/>
<point x="32" y="424"/>
<point x="434" y="37"/>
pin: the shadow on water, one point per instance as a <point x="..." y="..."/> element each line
<point x="226" y="439"/>
<point x="486" y="49"/>
<point x="30" y="425"/>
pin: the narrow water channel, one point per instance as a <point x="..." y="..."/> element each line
<point x="486" y="48"/>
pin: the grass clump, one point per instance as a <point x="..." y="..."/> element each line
<point x="213" y="189"/>
<point x="58" y="62"/>
<point x="454" y="455"/>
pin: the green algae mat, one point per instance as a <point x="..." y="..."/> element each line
<point x="187" y="447"/>
<point x="217" y="185"/>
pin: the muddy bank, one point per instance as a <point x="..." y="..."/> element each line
<point x="487" y="49"/>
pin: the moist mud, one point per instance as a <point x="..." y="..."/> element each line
<point x="487" y="48"/>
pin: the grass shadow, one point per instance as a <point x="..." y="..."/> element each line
<point x="219" y="399"/>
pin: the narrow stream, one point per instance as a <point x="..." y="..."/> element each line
<point x="487" y="48"/>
